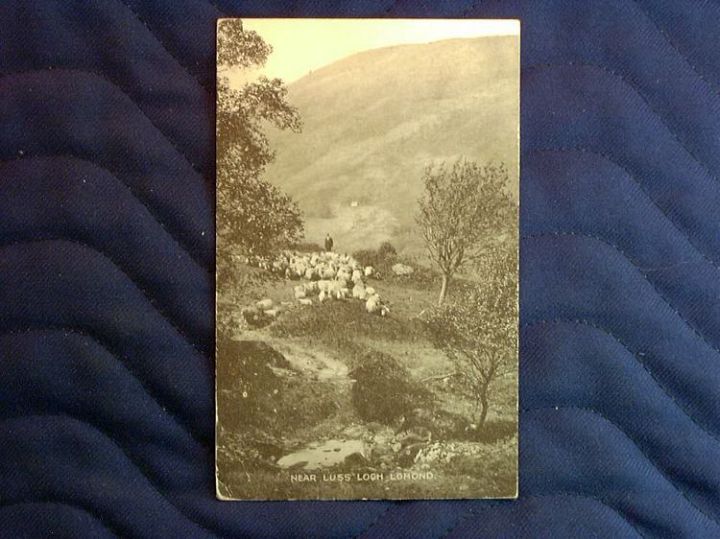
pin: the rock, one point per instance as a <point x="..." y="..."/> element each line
<point x="355" y="459"/>
<point x="264" y="304"/>
<point x="353" y="431"/>
<point x="383" y="389"/>
<point x="407" y="456"/>
<point x="255" y="318"/>
<point x="402" y="269"/>
<point x="300" y="292"/>
<point x="414" y="435"/>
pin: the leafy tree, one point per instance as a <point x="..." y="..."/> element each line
<point x="256" y="216"/>
<point x="463" y="207"/>
<point x="479" y="332"/>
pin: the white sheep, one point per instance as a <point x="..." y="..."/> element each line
<point x="305" y="301"/>
<point x="342" y="293"/>
<point x="369" y="271"/>
<point x="264" y="304"/>
<point x="372" y="305"/>
<point x="312" y="286"/>
<point x="324" y="285"/>
<point x="359" y="292"/>
<point x="370" y="291"/>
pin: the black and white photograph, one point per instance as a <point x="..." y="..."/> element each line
<point x="367" y="259"/>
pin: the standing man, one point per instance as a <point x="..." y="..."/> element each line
<point x="328" y="243"/>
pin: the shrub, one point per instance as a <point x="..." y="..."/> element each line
<point x="386" y="250"/>
<point x="255" y="394"/>
<point x="307" y="247"/>
<point x="383" y="389"/>
<point x="381" y="258"/>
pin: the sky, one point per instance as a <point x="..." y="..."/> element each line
<point x="303" y="45"/>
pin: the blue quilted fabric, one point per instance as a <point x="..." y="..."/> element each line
<point x="106" y="274"/>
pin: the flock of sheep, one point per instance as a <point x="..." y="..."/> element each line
<point x="329" y="276"/>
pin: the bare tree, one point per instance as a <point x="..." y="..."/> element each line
<point x="479" y="332"/>
<point x="462" y="208"/>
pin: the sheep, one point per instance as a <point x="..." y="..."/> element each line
<point x="370" y="291"/>
<point x="300" y="270"/>
<point x="322" y="296"/>
<point x="264" y="304"/>
<point x="359" y="292"/>
<point x="342" y="293"/>
<point x="372" y="305"/>
<point x="356" y="276"/>
<point x="305" y="301"/>
<point x="369" y="271"/>
<point x="312" y="286"/>
<point x="300" y="292"/>
<point x="324" y="285"/>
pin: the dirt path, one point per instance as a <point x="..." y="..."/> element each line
<point x="312" y="362"/>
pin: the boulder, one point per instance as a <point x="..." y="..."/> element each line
<point x="402" y="269"/>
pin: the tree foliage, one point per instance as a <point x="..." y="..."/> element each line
<point x="479" y="332"/>
<point x="462" y="208"/>
<point x="255" y="215"/>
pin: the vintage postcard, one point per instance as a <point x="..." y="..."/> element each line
<point x="367" y="259"/>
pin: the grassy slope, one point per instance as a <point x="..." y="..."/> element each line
<point x="339" y="332"/>
<point x="373" y="121"/>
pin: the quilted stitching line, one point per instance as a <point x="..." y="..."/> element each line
<point x="52" y="70"/>
<point x="653" y="464"/>
<point x="163" y="45"/>
<point x="132" y="462"/>
<point x="104" y="343"/>
<point x="133" y="193"/>
<point x="134" y="281"/>
<point x="641" y="186"/>
<point x="471" y="514"/>
<point x="636" y="88"/>
<point x="90" y="511"/>
<point x="143" y="470"/>
<point x="609" y="333"/>
<point x="666" y="35"/>
<point x="560" y="235"/>
<point x="375" y="521"/>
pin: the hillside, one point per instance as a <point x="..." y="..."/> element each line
<point x="374" y="120"/>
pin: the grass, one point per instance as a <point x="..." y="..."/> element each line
<point x="307" y="408"/>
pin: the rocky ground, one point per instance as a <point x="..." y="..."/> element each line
<point x="334" y="389"/>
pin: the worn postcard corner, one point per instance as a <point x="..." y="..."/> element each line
<point x="367" y="259"/>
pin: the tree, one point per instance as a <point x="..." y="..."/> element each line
<point x="256" y="216"/>
<point x="462" y="209"/>
<point x="479" y="332"/>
